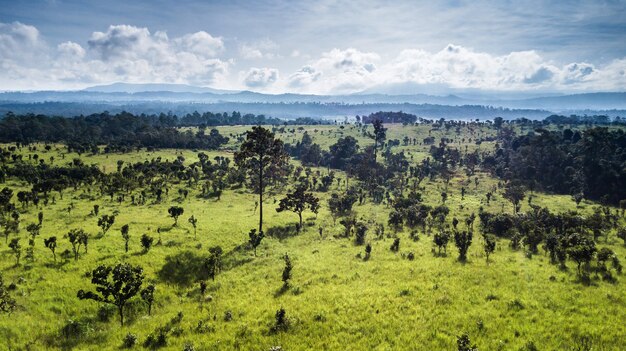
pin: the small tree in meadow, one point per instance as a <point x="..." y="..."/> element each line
<point x="146" y="242"/>
<point x="287" y="271"/>
<point x="463" y="240"/>
<point x="147" y="295"/>
<point x="441" y="240"/>
<point x="214" y="261"/>
<point x="15" y="246"/>
<point x="126" y="235"/>
<point x="106" y="222"/>
<point x="7" y="303"/>
<point x="175" y="212"/>
<point x="489" y="245"/>
<point x="298" y="201"/>
<point x="77" y="238"/>
<point x="255" y="239"/>
<point x="114" y="285"/>
<point x="51" y="244"/>
<point x="194" y="223"/>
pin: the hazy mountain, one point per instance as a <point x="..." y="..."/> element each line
<point x="154" y="87"/>
<point x="178" y="97"/>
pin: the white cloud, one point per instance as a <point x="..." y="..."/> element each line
<point x="201" y="43"/>
<point x="134" y="54"/>
<point x="260" y="77"/>
<point x="262" y="49"/>
<point x="122" y="53"/>
<point x="71" y="51"/>
<point x="344" y="71"/>
<point x="337" y="71"/>
<point x="19" y="42"/>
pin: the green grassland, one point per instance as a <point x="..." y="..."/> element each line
<point x="337" y="301"/>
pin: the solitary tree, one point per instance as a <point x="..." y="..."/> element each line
<point x="147" y="295"/>
<point x="7" y="303"/>
<point x="214" y="261"/>
<point x="287" y="271"/>
<point x="125" y="235"/>
<point x="515" y="194"/>
<point x="194" y="223"/>
<point x="489" y="245"/>
<point x="114" y="285"/>
<point x="51" y="243"/>
<point x="15" y="246"/>
<point x="175" y="212"/>
<point x="146" y="242"/>
<point x="441" y="240"/>
<point x="582" y="251"/>
<point x="106" y="222"/>
<point x="255" y="239"/>
<point x="379" y="136"/>
<point x="298" y="201"/>
<point x="463" y="240"/>
<point x="77" y="238"/>
<point x="265" y="161"/>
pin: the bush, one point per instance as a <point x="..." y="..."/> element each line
<point x="130" y="340"/>
<point x="396" y="245"/>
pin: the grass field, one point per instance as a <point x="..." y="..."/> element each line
<point x="336" y="301"/>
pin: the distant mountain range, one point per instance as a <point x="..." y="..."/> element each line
<point x="180" y="97"/>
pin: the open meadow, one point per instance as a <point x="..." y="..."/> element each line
<point x="367" y="274"/>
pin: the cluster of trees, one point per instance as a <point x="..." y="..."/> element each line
<point x="589" y="163"/>
<point x="388" y="117"/>
<point x="119" y="131"/>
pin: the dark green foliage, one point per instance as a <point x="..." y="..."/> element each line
<point x="489" y="245"/>
<point x="7" y="303"/>
<point x="194" y="222"/>
<point x="463" y="240"/>
<point x="463" y="343"/>
<point x="51" y="243"/>
<point x="175" y="212"/>
<point x="147" y="295"/>
<point x="214" y="261"/>
<point x="130" y="340"/>
<point x="341" y="204"/>
<point x="395" y="247"/>
<point x="114" y="285"/>
<point x="77" y="238"/>
<point x="287" y="271"/>
<point x="580" y="249"/>
<point x="298" y="201"/>
<point x="441" y="239"/>
<point x="126" y="236"/>
<point x="281" y="322"/>
<point x="263" y="158"/>
<point x="120" y="131"/>
<point x="146" y="242"/>
<point x="105" y="222"/>
<point x="360" y="231"/>
<point x="255" y="239"/>
<point x="15" y="246"/>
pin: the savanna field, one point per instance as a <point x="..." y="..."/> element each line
<point x="349" y="286"/>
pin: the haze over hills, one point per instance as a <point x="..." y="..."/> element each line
<point x="180" y="98"/>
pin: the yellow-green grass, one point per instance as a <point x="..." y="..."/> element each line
<point x="336" y="300"/>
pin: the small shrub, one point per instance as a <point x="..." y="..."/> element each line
<point x="396" y="245"/>
<point x="130" y="340"/>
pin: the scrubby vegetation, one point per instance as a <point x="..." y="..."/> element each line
<point x="391" y="233"/>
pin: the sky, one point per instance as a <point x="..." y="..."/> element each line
<point x="316" y="47"/>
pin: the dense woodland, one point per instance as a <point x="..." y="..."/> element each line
<point x="366" y="168"/>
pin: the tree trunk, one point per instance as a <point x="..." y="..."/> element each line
<point x="261" y="194"/>
<point x="300" y="227"/>
<point x="121" y="311"/>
